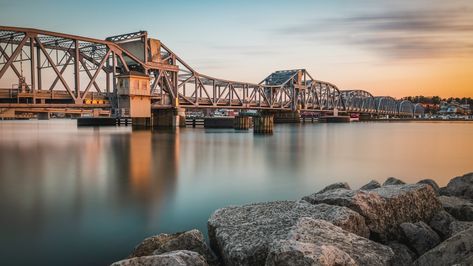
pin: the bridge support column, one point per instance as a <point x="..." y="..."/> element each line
<point x="141" y="122"/>
<point x="263" y="124"/>
<point x="287" y="117"/>
<point x="169" y="118"/>
<point x="242" y="122"/>
<point x="43" y="116"/>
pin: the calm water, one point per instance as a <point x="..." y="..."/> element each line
<point x="86" y="196"/>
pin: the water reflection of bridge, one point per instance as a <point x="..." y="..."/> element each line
<point x="130" y="75"/>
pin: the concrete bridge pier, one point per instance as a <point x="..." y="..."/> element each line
<point x="242" y="122"/>
<point x="169" y="118"/>
<point x="144" y="122"/>
<point x="44" y="116"/>
<point x="263" y="124"/>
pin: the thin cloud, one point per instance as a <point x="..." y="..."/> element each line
<point x="397" y="33"/>
<point x="249" y="50"/>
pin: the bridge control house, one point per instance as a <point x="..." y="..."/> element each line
<point x="134" y="97"/>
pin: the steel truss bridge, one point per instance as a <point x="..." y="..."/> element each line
<point x="43" y="71"/>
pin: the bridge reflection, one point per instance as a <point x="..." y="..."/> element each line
<point x="153" y="163"/>
<point x="123" y="171"/>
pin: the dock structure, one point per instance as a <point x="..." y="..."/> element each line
<point x="137" y="77"/>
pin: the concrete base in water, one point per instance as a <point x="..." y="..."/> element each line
<point x="242" y="122"/>
<point x="263" y="124"/>
<point x="141" y="122"/>
<point x="43" y="116"/>
<point x="335" y="119"/>
<point x="168" y="118"/>
<point x="219" y="122"/>
<point x="96" y="121"/>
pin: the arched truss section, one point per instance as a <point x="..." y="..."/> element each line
<point x="386" y="105"/>
<point x="418" y="109"/>
<point x="319" y="95"/>
<point x="358" y="101"/>
<point x="405" y="108"/>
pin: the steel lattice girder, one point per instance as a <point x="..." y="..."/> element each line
<point x="173" y="81"/>
<point x="358" y="101"/>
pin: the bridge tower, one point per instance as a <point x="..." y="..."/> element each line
<point x="133" y="97"/>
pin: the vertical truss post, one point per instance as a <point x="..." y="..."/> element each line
<point x="76" y="69"/>
<point x="38" y="66"/>
<point x="114" y="65"/>
<point x="32" y="69"/>
<point x="107" y="76"/>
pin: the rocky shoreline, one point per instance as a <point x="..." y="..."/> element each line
<point x="379" y="224"/>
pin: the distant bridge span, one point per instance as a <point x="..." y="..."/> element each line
<point x="42" y="71"/>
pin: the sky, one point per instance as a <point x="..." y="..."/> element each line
<point x="396" y="48"/>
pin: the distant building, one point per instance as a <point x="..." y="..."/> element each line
<point x="454" y="108"/>
<point x="431" y="107"/>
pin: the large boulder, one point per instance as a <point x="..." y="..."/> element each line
<point x="460" y="186"/>
<point x="431" y="183"/>
<point x="441" y="222"/>
<point x="385" y="208"/>
<point x="173" y="258"/>
<point x="295" y="253"/>
<point x="318" y="242"/>
<point x="335" y="186"/>
<point x="242" y="234"/>
<point x="419" y="237"/>
<point x="371" y="185"/>
<point x="459" y="226"/>
<point x="458" y="249"/>
<point x="402" y="254"/>
<point x="393" y="181"/>
<point x="192" y="240"/>
<point x="459" y="208"/>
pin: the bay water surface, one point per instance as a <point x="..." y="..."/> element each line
<point x="87" y="196"/>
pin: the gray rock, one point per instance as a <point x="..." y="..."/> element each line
<point x="441" y="222"/>
<point x="402" y="254"/>
<point x="460" y="186"/>
<point x="419" y="237"/>
<point x="295" y="253"/>
<point x="173" y="258"/>
<point x="241" y="234"/>
<point x="443" y="191"/>
<point x="335" y="186"/>
<point x="459" y="226"/>
<point x="459" y="208"/>
<point x="385" y="208"/>
<point x="431" y="183"/>
<point x="192" y="240"/>
<point x="458" y="249"/>
<point x="393" y="181"/>
<point x="371" y="185"/>
<point x="318" y="242"/>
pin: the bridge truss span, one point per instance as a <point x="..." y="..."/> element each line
<point x="358" y="101"/>
<point x="43" y="70"/>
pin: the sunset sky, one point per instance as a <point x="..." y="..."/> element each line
<point x="396" y="48"/>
